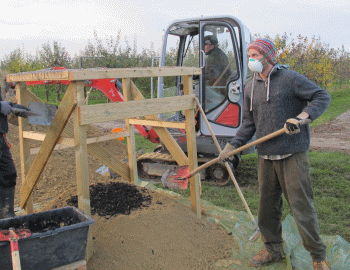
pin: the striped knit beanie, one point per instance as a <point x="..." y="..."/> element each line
<point x="265" y="46"/>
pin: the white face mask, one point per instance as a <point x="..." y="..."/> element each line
<point x="255" y="65"/>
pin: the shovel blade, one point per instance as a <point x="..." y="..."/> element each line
<point x="44" y="113"/>
<point x="176" y="178"/>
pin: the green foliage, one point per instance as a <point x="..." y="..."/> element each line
<point x="339" y="105"/>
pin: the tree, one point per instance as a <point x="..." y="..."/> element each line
<point x="57" y="56"/>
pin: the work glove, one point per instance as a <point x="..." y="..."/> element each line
<point x="292" y="126"/>
<point x="5" y="107"/>
<point x="224" y="154"/>
<point x="23" y="110"/>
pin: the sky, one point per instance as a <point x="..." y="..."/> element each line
<point x="28" y="24"/>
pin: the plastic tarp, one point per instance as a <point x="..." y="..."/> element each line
<point x="241" y="227"/>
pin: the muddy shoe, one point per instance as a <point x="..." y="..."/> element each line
<point x="264" y="258"/>
<point x="324" y="265"/>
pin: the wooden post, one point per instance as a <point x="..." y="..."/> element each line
<point x="134" y="178"/>
<point x="24" y="147"/>
<point x="81" y="157"/>
<point x="192" y="149"/>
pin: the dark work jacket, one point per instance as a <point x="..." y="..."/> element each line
<point x="289" y="93"/>
<point x="215" y="64"/>
<point x="3" y="120"/>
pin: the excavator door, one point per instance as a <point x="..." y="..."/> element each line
<point x="218" y="46"/>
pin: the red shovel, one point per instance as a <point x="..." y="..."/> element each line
<point x="178" y="176"/>
<point x="13" y="236"/>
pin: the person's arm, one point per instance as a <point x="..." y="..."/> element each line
<point x="318" y="98"/>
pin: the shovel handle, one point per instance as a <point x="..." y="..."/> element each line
<point x="246" y="146"/>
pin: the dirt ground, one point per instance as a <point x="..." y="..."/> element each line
<point x="165" y="235"/>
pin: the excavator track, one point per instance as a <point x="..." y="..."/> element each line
<point x="151" y="167"/>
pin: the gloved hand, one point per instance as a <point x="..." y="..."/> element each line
<point x="23" y="110"/>
<point x="223" y="155"/>
<point x="292" y="126"/>
<point x="5" y="107"/>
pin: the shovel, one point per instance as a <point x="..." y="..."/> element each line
<point x="180" y="175"/>
<point x="13" y="236"/>
<point x="42" y="113"/>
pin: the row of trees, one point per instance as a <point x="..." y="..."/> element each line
<point x="310" y="57"/>
<point x="314" y="59"/>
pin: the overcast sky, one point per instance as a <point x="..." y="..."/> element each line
<point x="29" y="24"/>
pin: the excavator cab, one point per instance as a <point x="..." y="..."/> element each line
<point x="218" y="46"/>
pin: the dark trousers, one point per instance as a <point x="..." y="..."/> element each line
<point x="8" y="174"/>
<point x="290" y="176"/>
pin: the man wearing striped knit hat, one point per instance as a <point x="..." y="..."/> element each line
<point x="275" y="98"/>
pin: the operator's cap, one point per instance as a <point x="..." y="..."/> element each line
<point x="210" y="40"/>
<point x="266" y="48"/>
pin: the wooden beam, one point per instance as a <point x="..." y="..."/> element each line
<point x="81" y="157"/>
<point x="134" y="178"/>
<point x="192" y="150"/>
<point x="39" y="75"/>
<point x="155" y="123"/>
<point x="99" y="113"/>
<point x="24" y="146"/>
<point x="101" y="73"/>
<point x="39" y="136"/>
<point x="109" y="160"/>
<point x="54" y="133"/>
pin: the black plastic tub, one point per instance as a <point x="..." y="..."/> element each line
<point x="51" y="248"/>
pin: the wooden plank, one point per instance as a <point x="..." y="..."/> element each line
<point x="81" y="161"/>
<point x="155" y="123"/>
<point x="99" y="113"/>
<point x="39" y="136"/>
<point x="54" y="133"/>
<point x="81" y="157"/>
<point x="101" y="73"/>
<point x="164" y="134"/>
<point x="24" y="146"/>
<point x="192" y="150"/>
<point x="39" y="75"/>
<point x="109" y="160"/>
<point x="134" y="178"/>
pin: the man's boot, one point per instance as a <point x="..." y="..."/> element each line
<point x="272" y="252"/>
<point x="7" y="201"/>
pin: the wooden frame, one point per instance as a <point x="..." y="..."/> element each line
<point x="65" y="132"/>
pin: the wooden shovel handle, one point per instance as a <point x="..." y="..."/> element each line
<point x="244" y="147"/>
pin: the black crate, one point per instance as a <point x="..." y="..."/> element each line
<point x="49" y="249"/>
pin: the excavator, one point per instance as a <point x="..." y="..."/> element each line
<point x="221" y="98"/>
<point x="219" y="90"/>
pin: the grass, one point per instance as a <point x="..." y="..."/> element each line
<point x="339" y="105"/>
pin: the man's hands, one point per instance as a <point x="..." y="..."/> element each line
<point x="17" y="109"/>
<point x="6" y="108"/>
<point x="20" y="110"/>
<point x="224" y="154"/>
<point x="292" y="126"/>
